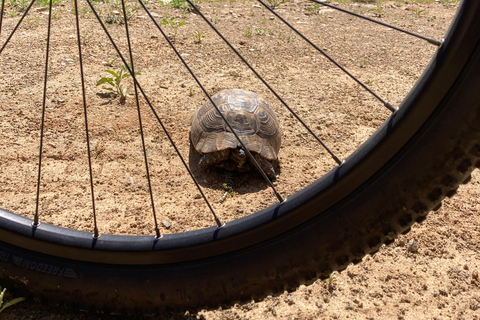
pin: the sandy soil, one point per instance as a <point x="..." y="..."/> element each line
<point x="432" y="272"/>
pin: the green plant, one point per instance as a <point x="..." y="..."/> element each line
<point x="173" y="24"/>
<point x="23" y="4"/>
<point x="6" y="304"/>
<point x="248" y="32"/>
<point x="180" y="4"/>
<point x="290" y="38"/>
<point x="113" y="20"/>
<point x="378" y="11"/>
<point x="227" y="185"/>
<point x="115" y="11"/>
<point x="32" y="20"/>
<point x="84" y="38"/>
<point x="415" y="13"/>
<point x="116" y="82"/>
<point x="198" y="35"/>
<point x="191" y="92"/>
<point x="17" y="6"/>
<point x="330" y="281"/>
<point x="46" y="3"/>
<point x="315" y="8"/>
<point x="275" y="3"/>
<point x="259" y="31"/>
<point x="110" y="63"/>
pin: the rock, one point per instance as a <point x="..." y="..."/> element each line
<point x="166" y="224"/>
<point x="412" y="246"/>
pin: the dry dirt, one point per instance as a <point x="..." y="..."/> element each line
<point x="432" y="272"/>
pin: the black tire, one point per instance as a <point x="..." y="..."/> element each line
<point x="419" y="156"/>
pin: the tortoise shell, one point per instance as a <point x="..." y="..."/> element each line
<point x="248" y="114"/>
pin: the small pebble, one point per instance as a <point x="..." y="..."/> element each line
<point x="166" y="224"/>
<point x="412" y="246"/>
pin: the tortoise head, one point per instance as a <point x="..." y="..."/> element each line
<point x="239" y="156"/>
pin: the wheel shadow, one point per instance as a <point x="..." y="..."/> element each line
<point x="213" y="177"/>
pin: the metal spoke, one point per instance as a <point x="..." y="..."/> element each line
<point x="1" y="15"/>
<point x="95" y="227"/>
<point x="157" y="229"/>
<point x="42" y="124"/>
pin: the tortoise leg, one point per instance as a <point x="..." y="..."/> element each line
<point x="266" y="166"/>
<point x="213" y="158"/>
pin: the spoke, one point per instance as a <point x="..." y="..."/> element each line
<point x="337" y="160"/>
<point x="217" y="220"/>
<point x="386" y="104"/>
<point x="429" y="40"/>
<point x="1" y="15"/>
<point x="95" y="228"/>
<point x="42" y="124"/>
<point x="157" y="229"/>
<point x="257" y="166"/>
<point x="17" y="25"/>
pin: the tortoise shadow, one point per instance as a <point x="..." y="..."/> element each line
<point x="213" y="177"/>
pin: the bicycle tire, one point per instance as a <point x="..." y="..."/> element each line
<point x="419" y="156"/>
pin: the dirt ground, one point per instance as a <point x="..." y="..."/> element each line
<point x="430" y="273"/>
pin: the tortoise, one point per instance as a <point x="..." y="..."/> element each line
<point x="253" y="121"/>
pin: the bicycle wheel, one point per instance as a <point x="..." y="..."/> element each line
<point x="418" y="156"/>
